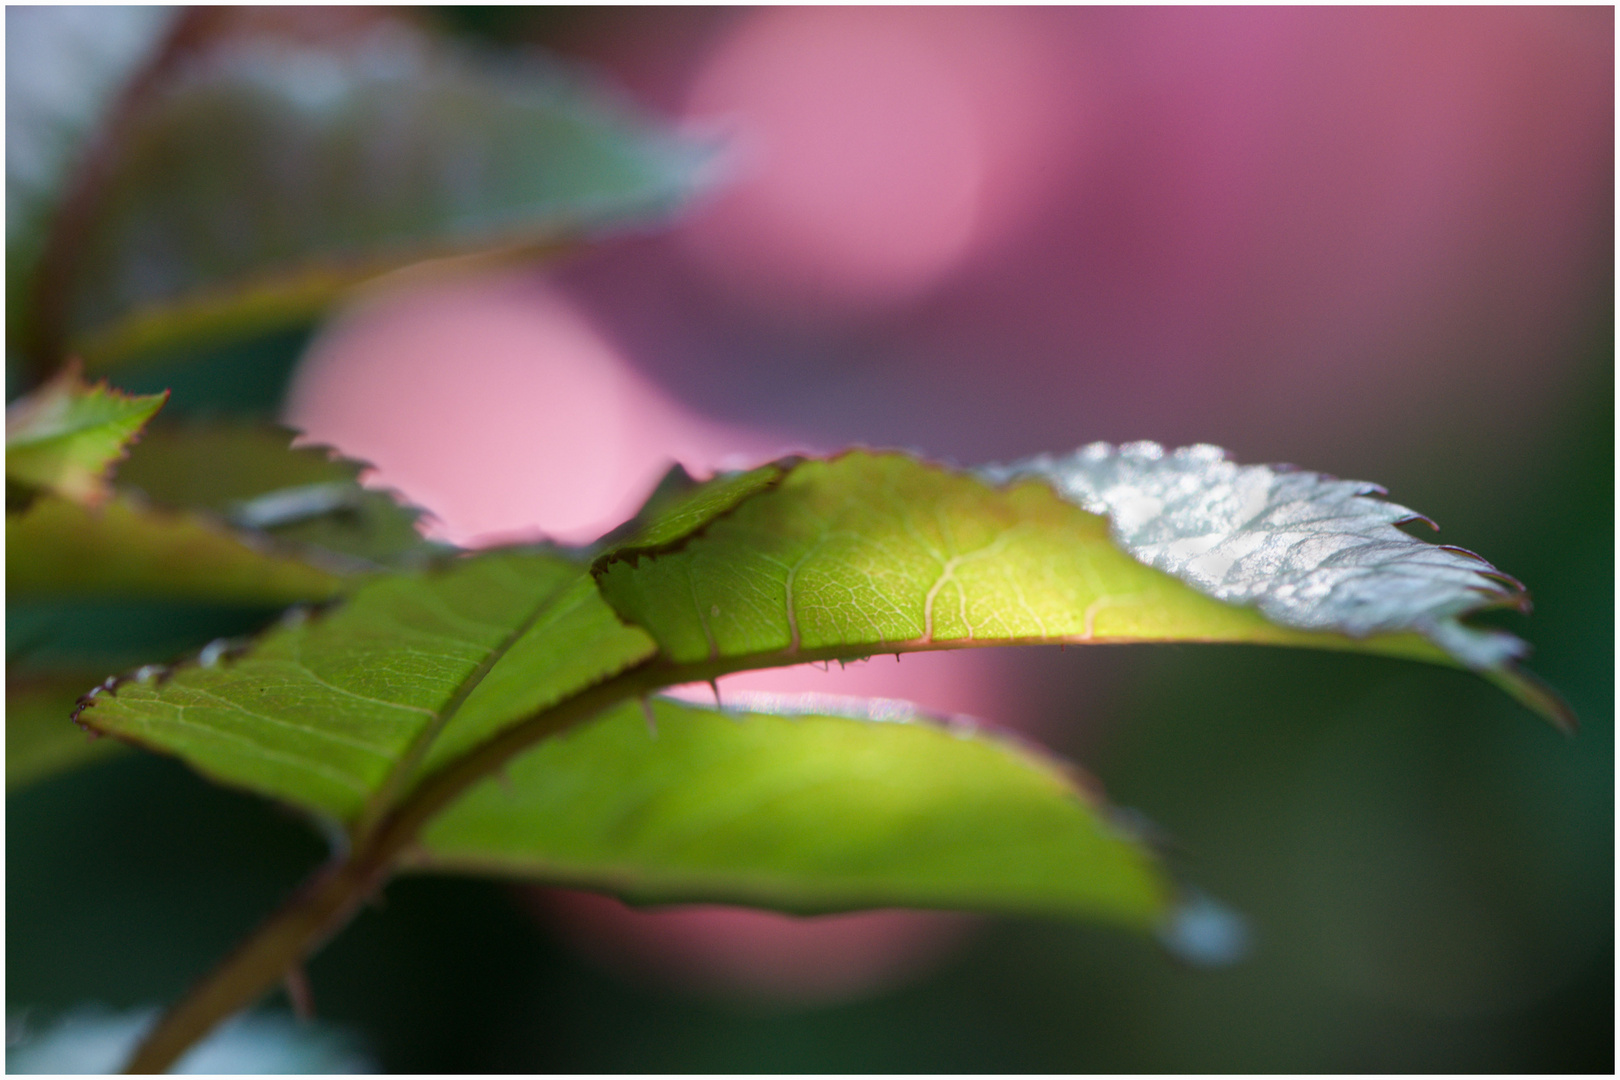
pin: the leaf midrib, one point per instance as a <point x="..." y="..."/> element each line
<point x="383" y="799"/>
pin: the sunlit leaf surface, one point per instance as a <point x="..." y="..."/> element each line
<point x="66" y="436"/>
<point x="1307" y="550"/>
<point x="871" y="552"/>
<point x="875" y="551"/>
<point x="348" y="711"/>
<point x="679" y="507"/>
<point x="268" y="175"/>
<point x="802" y="811"/>
<point x="330" y="711"/>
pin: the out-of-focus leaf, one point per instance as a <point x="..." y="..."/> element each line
<point x="66" y="436"/>
<point x="64" y="67"/>
<point x="207" y="512"/>
<point x="880" y="552"/>
<point x="247" y="474"/>
<point x="268" y="175"/>
<point x="128" y="548"/>
<point x="41" y="737"/>
<point x="788" y="807"/>
<point x="337" y="712"/>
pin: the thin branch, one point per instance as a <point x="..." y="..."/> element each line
<point x="335" y="894"/>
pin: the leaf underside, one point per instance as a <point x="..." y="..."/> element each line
<point x="283" y="172"/>
<point x="800" y="812"/>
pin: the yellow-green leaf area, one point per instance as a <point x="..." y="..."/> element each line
<point x="668" y="519"/>
<point x="881" y="551"/>
<point x="801" y="813"/>
<point x="66" y="436"/>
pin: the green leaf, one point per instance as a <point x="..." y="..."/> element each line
<point x="1307" y="550"/>
<point x="129" y="548"/>
<point x="398" y="705"/>
<point x="880" y="552"/>
<point x="870" y="553"/>
<point x="803" y="811"/>
<point x="41" y="737"/>
<point x="340" y="712"/>
<point x="679" y="507"/>
<point x="247" y="475"/>
<point x="270" y="175"/>
<point x="215" y="513"/>
<point x="66" y="436"/>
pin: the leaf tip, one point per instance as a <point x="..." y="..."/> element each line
<point x="1534" y="694"/>
<point x="88" y="701"/>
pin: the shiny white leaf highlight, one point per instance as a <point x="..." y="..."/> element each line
<point x="1309" y="550"/>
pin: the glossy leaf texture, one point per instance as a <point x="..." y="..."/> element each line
<point x="66" y="436"/>
<point x="338" y="712"/>
<point x="879" y="552"/>
<point x="1307" y="550"/>
<point x="776" y="804"/>
<point x="266" y="175"/>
